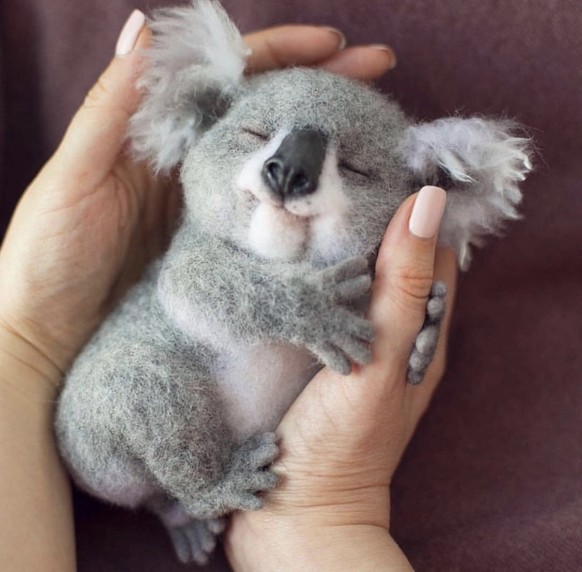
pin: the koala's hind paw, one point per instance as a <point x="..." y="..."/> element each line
<point x="249" y="473"/>
<point x="196" y="540"/>
<point x="246" y="477"/>
<point x="426" y="341"/>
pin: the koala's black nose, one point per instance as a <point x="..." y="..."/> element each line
<point x="294" y="169"/>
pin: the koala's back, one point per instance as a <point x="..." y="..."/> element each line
<point x="135" y="375"/>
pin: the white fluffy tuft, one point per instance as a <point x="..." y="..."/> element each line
<point x="197" y="59"/>
<point x="484" y="161"/>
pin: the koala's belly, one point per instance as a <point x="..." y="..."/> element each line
<point x="259" y="383"/>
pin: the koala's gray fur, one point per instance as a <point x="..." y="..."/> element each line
<point x="172" y="404"/>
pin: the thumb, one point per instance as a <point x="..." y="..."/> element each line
<point x="404" y="276"/>
<point x="96" y="134"/>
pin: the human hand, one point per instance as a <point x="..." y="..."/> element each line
<point x="93" y="218"/>
<point x="343" y="438"/>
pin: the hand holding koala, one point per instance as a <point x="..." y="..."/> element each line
<point x="343" y="437"/>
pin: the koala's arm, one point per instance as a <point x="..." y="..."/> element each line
<point x="213" y="289"/>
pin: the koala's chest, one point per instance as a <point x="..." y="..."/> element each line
<point x="258" y="384"/>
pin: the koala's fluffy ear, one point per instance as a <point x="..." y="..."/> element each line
<point x="195" y="66"/>
<point x="480" y="163"/>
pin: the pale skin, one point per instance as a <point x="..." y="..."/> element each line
<point x="82" y="233"/>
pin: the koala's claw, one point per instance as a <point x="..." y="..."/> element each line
<point x="360" y="352"/>
<point x="216" y="525"/>
<point x="339" y="357"/>
<point x="257" y="452"/>
<point x="349" y="268"/>
<point x="196" y="540"/>
<point x="343" y="336"/>
<point x="357" y="327"/>
<point x="333" y="357"/>
<point x="248" y="474"/>
<point x="347" y="281"/>
<point x="427" y="340"/>
<point x="353" y="289"/>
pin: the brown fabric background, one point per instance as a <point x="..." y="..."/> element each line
<point x="492" y="478"/>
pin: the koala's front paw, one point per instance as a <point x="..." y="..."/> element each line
<point x="339" y="335"/>
<point x="249" y="475"/>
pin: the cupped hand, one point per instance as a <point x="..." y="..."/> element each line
<point x="344" y="436"/>
<point x="93" y="218"/>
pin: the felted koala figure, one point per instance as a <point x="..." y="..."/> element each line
<point x="289" y="179"/>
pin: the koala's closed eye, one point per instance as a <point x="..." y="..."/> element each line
<point x="257" y="133"/>
<point x="353" y="171"/>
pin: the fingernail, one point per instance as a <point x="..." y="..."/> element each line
<point x="388" y="50"/>
<point x="129" y="34"/>
<point x="427" y="212"/>
<point x="342" y="41"/>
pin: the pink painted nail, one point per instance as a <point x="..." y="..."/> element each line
<point x="427" y="212"/>
<point x="129" y="34"/>
<point x="342" y="41"/>
<point x="388" y="50"/>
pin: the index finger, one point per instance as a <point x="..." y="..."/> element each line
<point x="290" y="45"/>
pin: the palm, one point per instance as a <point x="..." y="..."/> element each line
<point x="92" y="242"/>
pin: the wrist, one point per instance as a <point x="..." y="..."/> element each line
<point x="271" y="543"/>
<point x="24" y="368"/>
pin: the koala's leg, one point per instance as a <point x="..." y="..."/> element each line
<point x="138" y="419"/>
<point x="179" y="433"/>
<point x="426" y="341"/>
<point x="194" y="537"/>
<point x="193" y="540"/>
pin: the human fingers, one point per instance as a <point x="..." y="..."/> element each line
<point x="97" y="132"/>
<point x="362" y="62"/>
<point x="290" y="45"/>
<point x="312" y="45"/>
<point x="404" y="277"/>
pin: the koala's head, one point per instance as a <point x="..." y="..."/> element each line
<point x="301" y="164"/>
